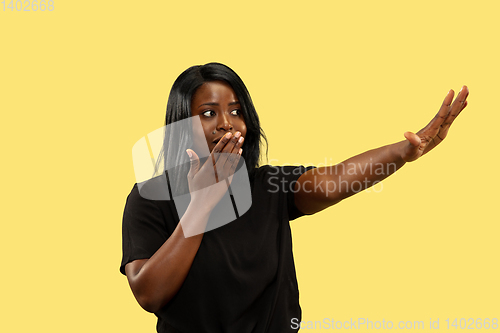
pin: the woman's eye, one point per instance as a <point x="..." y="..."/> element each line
<point x="235" y="112"/>
<point x="209" y="113"/>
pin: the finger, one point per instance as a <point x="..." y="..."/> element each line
<point x="220" y="146"/>
<point x="234" y="165"/>
<point x="230" y="146"/>
<point x="443" y="111"/>
<point x="226" y="161"/>
<point x="194" y="163"/>
<point x="226" y="145"/>
<point x="411" y="151"/>
<point x="414" y="139"/>
<point x="220" y="153"/>
<point x="457" y="106"/>
<point x="463" y="107"/>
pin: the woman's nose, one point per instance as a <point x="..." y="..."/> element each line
<point x="224" y="123"/>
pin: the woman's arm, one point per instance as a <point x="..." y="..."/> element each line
<point x="322" y="187"/>
<point x="156" y="280"/>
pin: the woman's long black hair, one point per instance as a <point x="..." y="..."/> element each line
<point x="179" y="108"/>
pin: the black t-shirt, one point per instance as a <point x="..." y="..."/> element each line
<point x="243" y="277"/>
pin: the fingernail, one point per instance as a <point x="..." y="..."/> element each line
<point x="189" y="153"/>
<point x="240" y="140"/>
<point x="241" y="151"/>
<point x="237" y="135"/>
<point x="228" y="135"/>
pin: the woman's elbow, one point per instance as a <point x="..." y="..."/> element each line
<point x="148" y="303"/>
<point x="147" y="297"/>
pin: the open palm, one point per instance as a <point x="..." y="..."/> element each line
<point x="431" y="135"/>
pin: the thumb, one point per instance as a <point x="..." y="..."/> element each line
<point x="195" y="163"/>
<point x="414" y="139"/>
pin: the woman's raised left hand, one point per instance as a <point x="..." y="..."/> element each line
<point x="431" y="135"/>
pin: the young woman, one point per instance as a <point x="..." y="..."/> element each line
<point x="239" y="277"/>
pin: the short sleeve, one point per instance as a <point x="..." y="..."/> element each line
<point x="290" y="175"/>
<point x="143" y="228"/>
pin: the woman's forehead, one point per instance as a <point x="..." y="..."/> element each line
<point x="215" y="90"/>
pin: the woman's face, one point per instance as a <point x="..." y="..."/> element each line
<point x="220" y="112"/>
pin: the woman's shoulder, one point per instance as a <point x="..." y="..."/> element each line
<point x="138" y="201"/>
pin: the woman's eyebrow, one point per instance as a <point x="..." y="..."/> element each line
<point x="217" y="104"/>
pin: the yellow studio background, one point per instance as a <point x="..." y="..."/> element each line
<point x="82" y="83"/>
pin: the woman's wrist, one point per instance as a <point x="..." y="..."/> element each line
<point x="205" y="199"/>
<point x="198" y="206"/>
<point x="398" y="152"/>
